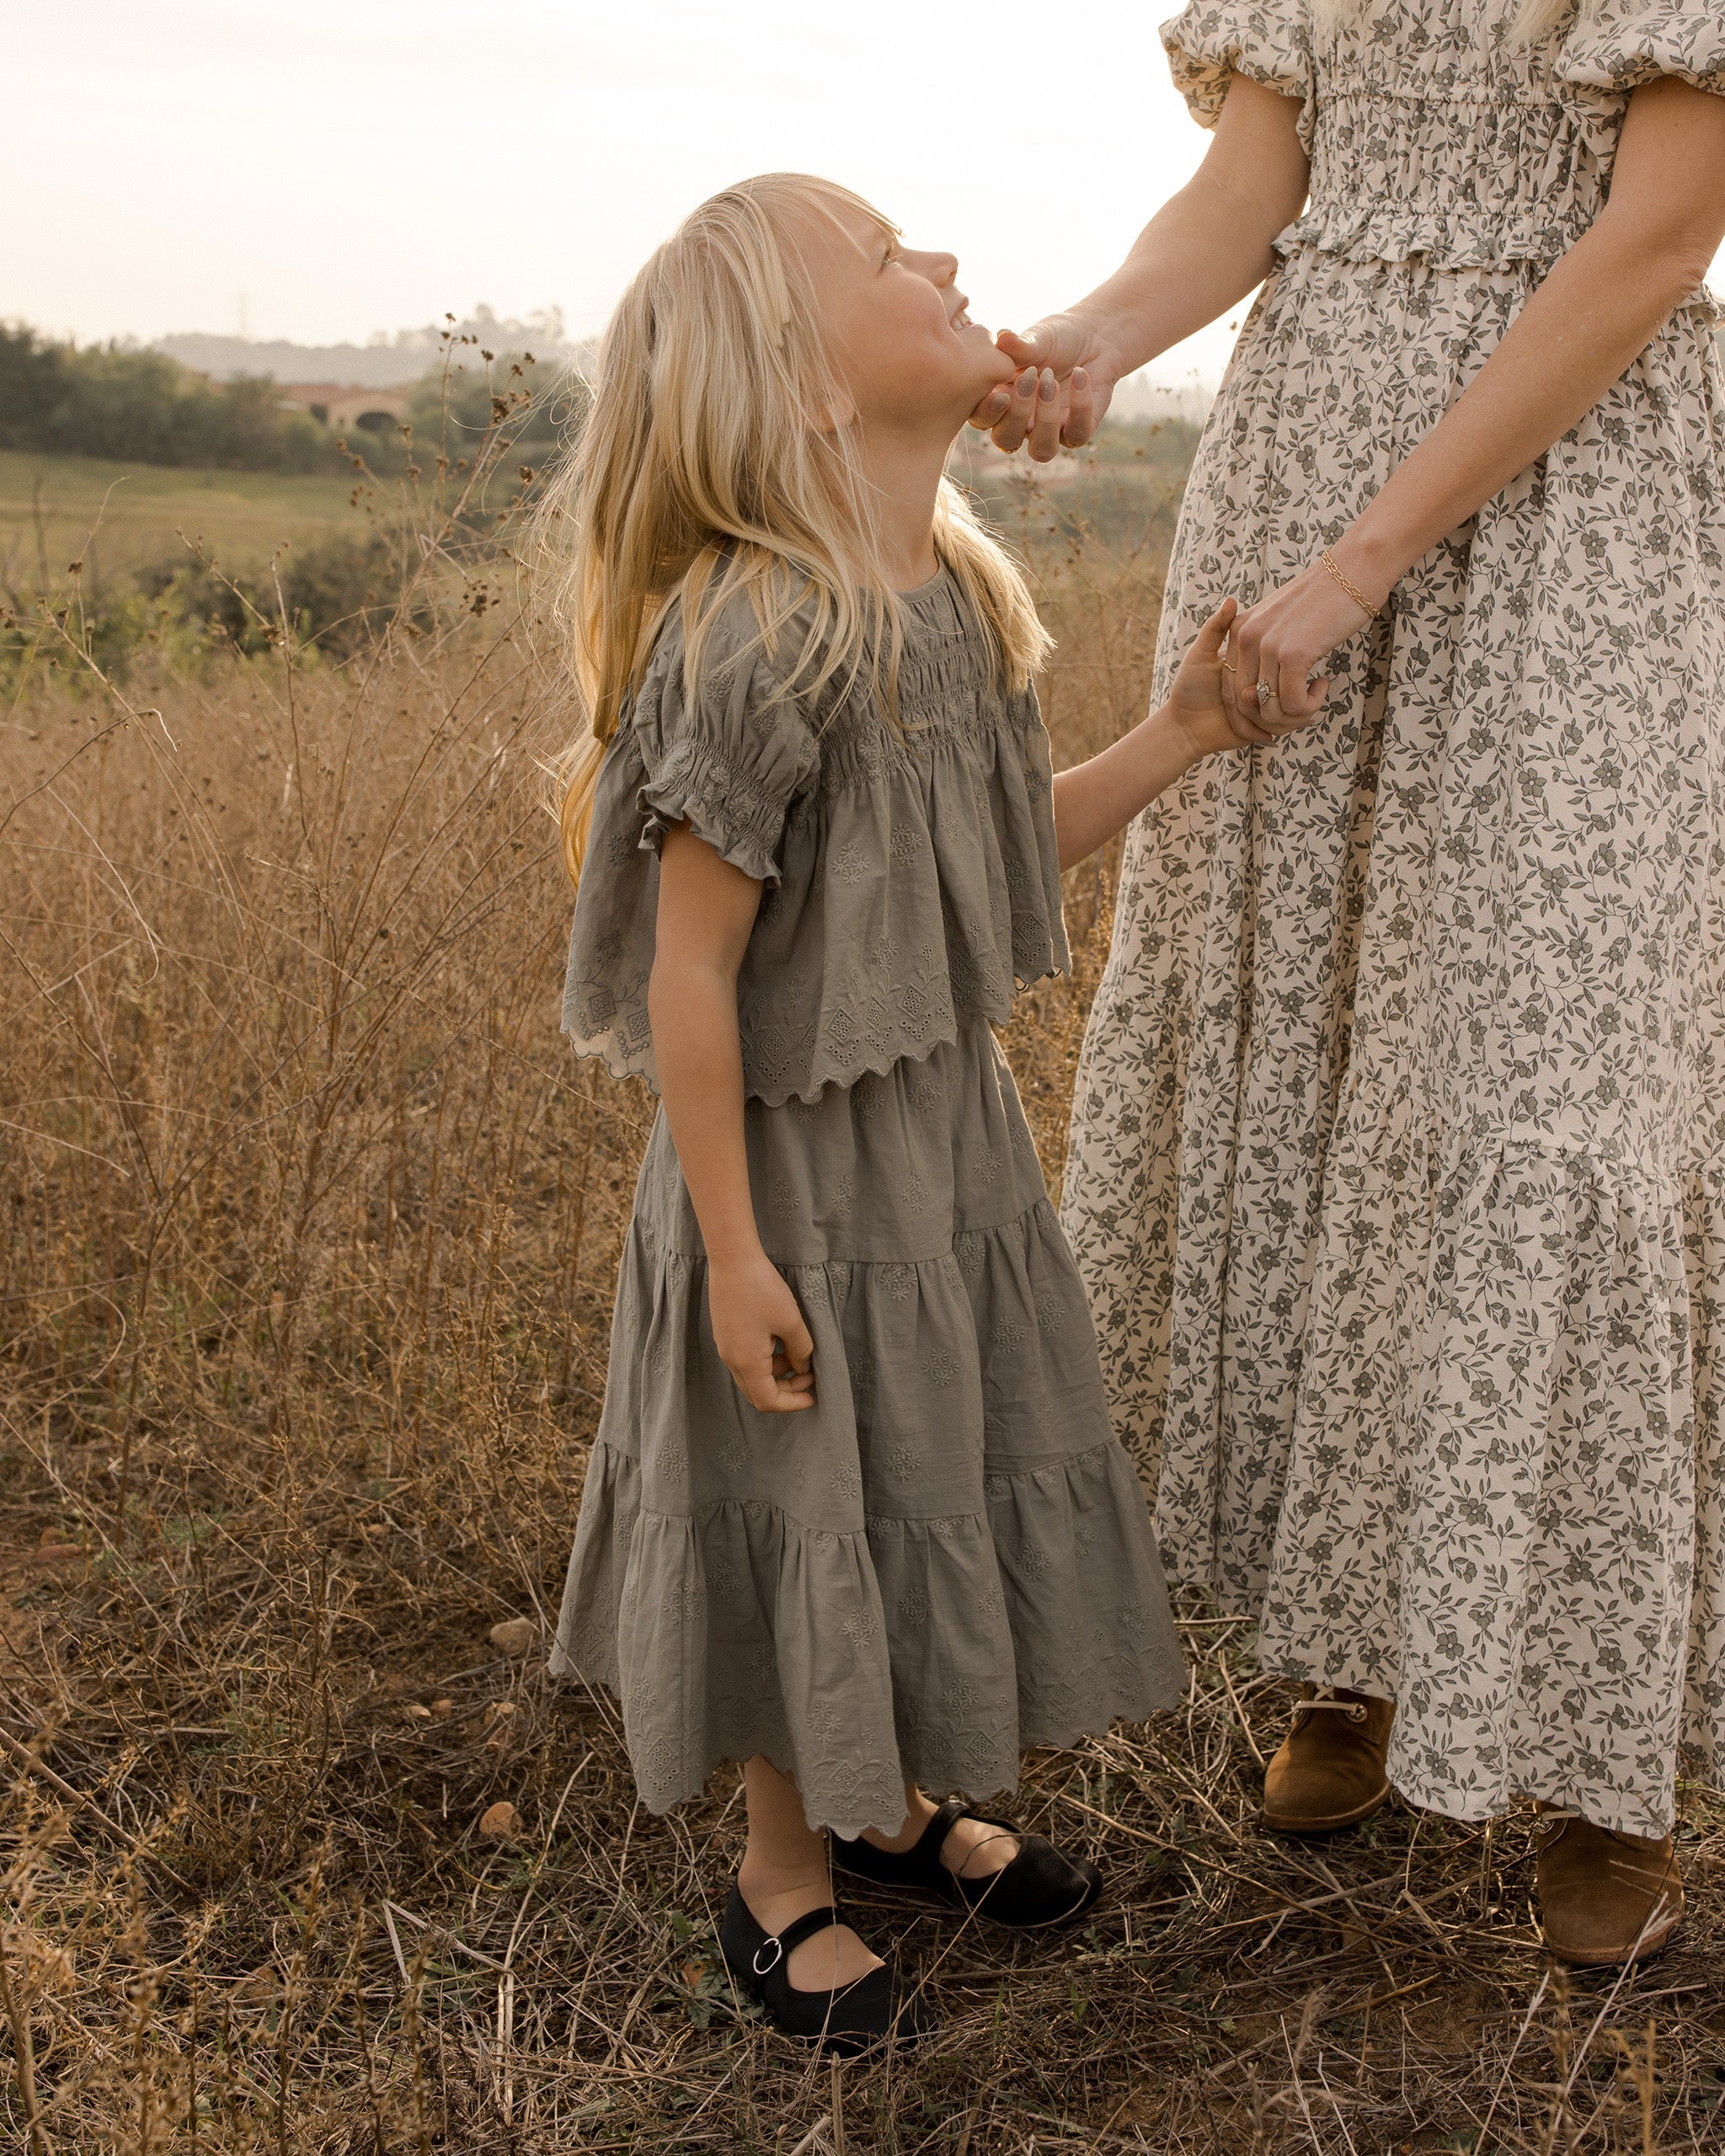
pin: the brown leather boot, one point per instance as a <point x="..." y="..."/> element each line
<point x="1329" y="1772"/>
<point x="1604" y="1897"/>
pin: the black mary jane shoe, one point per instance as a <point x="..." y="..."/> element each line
<point x="876" y="2010"/>
<point x="1042" y="1885"/>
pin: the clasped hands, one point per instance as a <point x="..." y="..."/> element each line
<point x="1270" y="686"/>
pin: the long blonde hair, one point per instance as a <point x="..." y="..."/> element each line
<point x="1535" y="19"/>
<point x="709" y="468"/>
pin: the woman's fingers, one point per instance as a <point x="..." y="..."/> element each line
<point x="992" y="408"/>
<point x="1299" y="695"/>
<point x="1080" y="410"/>
<point x="1049" y="417"/>
<point x="1039" y="346"/>
<point x="1030" y="350"/>
<point x="1010" y="432"/>
<point x="1234" y="698"/>
<point x="1245" y="641"/>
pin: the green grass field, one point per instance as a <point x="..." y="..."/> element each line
<point x="117" y="518"/>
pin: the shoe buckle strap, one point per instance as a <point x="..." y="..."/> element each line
<point x="779" y="1944"/>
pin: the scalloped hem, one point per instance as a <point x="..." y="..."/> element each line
<point x="622" y="1062"/>
<point x="933" y="1651"/>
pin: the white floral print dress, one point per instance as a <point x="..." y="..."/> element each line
<point x="1396" y="1166"/>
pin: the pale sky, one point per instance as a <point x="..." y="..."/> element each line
<point x="340" y="169"/>
<point x="364" y="166"/>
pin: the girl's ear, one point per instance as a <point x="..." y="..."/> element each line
<point x="840" y="412"/>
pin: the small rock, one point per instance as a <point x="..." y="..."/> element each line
<point x="514" y="1635"/>
<point x="500" y="1708"/>
<point x="51" y="1535"/>
<point x="418" y="1712"/>
<point x="498" y="1821"/>
<point x="443" y="1709"/>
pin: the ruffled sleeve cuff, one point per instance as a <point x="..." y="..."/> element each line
<point x="721" y="800"/>
<point x="728" y="760"/>
<point x="1628" y="42"/>
<point x="1214" y="40"/>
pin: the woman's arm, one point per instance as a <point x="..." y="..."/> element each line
<point x="1587" y="321"/>
<point x="705" y="911"/>
<point x="1206" y="248"/>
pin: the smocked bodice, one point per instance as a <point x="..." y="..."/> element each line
<point x="911" y="874"/>
<point x="1431" y="132"/>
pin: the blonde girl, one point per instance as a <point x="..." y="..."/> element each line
<point x="855" y="1516"/>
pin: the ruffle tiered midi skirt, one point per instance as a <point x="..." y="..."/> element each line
<point x="948" y="1558"/>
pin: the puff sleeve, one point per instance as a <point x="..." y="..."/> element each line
<point x="1216" y="40"/>
<point x="1625" y="43"/>
<point x="728" y="760"/>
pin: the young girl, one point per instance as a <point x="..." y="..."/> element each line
<point x="855" y="1516"/>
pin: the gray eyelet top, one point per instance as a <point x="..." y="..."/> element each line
<point x="912" y="871"/>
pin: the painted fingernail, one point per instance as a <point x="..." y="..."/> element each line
<point x="1046" y="387"/>
<point x="1080" y="378"/>
<point x="1026" y="383"/>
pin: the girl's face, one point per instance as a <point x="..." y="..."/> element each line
<point x="901" y="343"/>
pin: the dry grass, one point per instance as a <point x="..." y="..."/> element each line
<point x="144" y="514"/>
<point x="310" y="1228"/>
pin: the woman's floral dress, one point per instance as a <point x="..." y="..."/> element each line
<point x="1395" y="1168"/>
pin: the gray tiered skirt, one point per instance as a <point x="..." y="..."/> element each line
<point x="949" y="1557"/>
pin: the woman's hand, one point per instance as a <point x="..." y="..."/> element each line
<point x="1280" y="641"/>
<point x="1201" y="253"/>
<point x="759" y="1332"/>
<point x="1067" y="373"/>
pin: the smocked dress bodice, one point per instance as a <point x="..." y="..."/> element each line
<point x="1431" y="131"/>
<point x="912" y="879"/>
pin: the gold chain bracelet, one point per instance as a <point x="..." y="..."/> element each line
<point x="1352" y="590"/>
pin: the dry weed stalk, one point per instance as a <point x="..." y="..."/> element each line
<point x="310" y="1231"/>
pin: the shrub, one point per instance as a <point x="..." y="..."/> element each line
<point x="102" y="400"/>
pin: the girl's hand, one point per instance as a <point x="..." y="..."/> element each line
<point x="1197" y="700"/>
<point x="759" y="1332"/>
<point x="1279" y="641"/>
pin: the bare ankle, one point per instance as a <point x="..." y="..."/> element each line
<point x="761" y="1875"/>
<point x="918" y="1812"/>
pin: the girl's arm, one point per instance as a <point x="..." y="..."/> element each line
<point x="1206" y="248"/>
<point x="705" y="911"/>
<point x="1093" y="801"/>
<point x="1587" y="320"/>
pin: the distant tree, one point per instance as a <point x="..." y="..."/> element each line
<point x="103" y="400"/>
<point x="541" y="407"/>
<point x="31" y="374"/>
